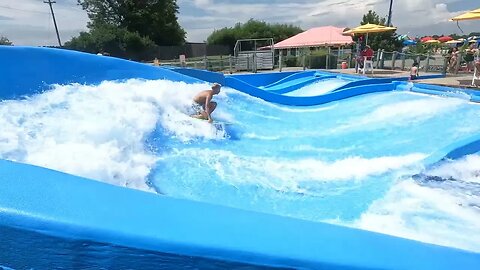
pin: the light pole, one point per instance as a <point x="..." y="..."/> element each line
<point x="389" y="22"/>
<point x="50" y="2"/>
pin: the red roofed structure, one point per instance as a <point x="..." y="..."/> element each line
<point x="325" y="36"/>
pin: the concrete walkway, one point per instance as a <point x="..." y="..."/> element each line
<point x="453" y="80"/>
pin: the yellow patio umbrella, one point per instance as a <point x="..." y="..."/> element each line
<point x="369" y="28"/>
<point x="471" y="15"/>
<point x="432" y="41"/>
<point x="455" y="41"/>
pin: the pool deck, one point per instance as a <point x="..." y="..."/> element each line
<point x="453" y="80"/>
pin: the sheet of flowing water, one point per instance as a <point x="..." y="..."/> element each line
<point x="348" y="162"/>
<point x="318" y="88"/>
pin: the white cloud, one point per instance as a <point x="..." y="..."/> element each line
<point x="412" y="16"/>
<point x="30" y="21"/>
<point x="201" y="3"/>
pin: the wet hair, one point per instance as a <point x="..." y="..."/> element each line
<point x="216" y="85"/>
<point x="415" y="64"/>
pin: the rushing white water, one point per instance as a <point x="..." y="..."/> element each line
<point x="349" y="162"/>
<point x="99" y="131"/>
<point x="318" y="88"/>
<point x="444" y="211"/>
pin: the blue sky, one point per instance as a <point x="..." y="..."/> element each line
<point x="28" y="22"/>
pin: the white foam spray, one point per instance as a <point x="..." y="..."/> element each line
<point x="444" y="212"/>
<point x="318" y="88"/>
<point x="99" y="132"/>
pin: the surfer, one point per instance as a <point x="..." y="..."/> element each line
<point x="203" y="105"/>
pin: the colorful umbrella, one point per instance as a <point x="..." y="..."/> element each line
<point x="471" y="15"/>
<point x="425" y="39"/>
<point x="445" y="39"/>
<point x="409" y="42"/>
<point x="432" y="41"/>
<point x="455" y="41"/>
<point x="369" y="28"/>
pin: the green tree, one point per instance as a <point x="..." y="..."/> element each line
<point x="252" y="29"/>
<point x="456" y="36"/>
<point x="115" y="41"/>
<point x="5" y="41"/>
<point x="155" y="19"/>
<point x="386" y="40"/>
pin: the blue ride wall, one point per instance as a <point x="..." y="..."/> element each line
<point x="27" y="70"/>
<point x="55" y="203"/>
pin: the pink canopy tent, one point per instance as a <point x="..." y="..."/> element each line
<point x="326" y="36"/>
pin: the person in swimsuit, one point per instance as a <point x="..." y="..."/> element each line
<point x="203" y="104"/>
<point x="414" y="71"/>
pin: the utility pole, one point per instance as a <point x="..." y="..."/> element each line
<point x="50" y="2"/>
<point x="389" y="22"/>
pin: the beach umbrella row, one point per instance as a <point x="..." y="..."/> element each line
<point x="471" y="15"/>
<point x="375" y="28"/>
<point x="462" y="40"/>
<point x="448" y="40"/>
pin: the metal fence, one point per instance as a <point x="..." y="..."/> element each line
<point x="211" y="63"/>
<point x="190" y="50"/>
<point x="334" y="59"/>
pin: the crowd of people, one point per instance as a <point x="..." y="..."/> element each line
<point x="457" y="59"/>
<point x="470" y="56"/>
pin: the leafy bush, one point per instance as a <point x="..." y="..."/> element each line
<point x="155" y="19"/>
<point x="5" y="41"/>
<point x="252" y="29"/>
<point x="115" y="41"/>
<point x="290" y="61"/>
<point x="318" y="60"/>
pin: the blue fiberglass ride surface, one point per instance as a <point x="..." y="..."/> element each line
<point x="49" y="252"/>
<point x="347" y="162"/>
<point x="299" y="171"/>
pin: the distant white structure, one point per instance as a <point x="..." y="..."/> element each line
<point x="254" y="54"/>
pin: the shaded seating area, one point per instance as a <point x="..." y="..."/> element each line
<point x="315" y="43"/>
<point x="325" y="36"/>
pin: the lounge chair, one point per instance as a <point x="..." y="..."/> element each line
<point x="367" y="64"/>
